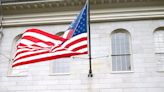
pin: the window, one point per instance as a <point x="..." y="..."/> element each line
<point x="159" y="48"/>
<point x="120" y="50"/>
<point x="20" y="70"/>
<point x="14" y="44"/>
<point x="60" y="66"/>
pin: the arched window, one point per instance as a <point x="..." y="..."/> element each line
<point x="159" y="47"/>
<point x="14" y="45"/>
<point x="120" y="41"/>
<point x="60" y="66"/>
<point x="20" y="70"/>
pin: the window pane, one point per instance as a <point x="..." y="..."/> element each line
<point x="128" y="67"/>
<point x="114" y="63"/>
<point x="159" y="41"/>
<point x="120" y="43"/>
<point x="121" y="63"/>
<point x="61" y="65"/>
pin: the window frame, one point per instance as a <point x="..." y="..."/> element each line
<point x="13" y="49"/>
<point x="130" y="52"/>
<point x="58" y="74"/>
<point x="160" y="68"/>
<point x="51" y="73"/>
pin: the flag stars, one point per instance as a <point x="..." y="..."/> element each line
<point x="80" y="25"/>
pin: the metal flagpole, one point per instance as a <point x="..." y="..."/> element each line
<point x="89" y="39"/>
<point x="1" y="15"/>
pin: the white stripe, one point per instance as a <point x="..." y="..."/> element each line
<point x="26" y="42"/>
<point x="77" y="45"/>
<point x="59" y="48"/>
<point x="20" y="67"/>
<point x="28" y="53"/>
<point x="42" y="56"/>
<point x="42" y="44"/>
<point x="82" y="50"/>
<point x="29" y="43"/>
<point x="66" y="34"/>
<point x="22" y="49"/>
<point x="42" y="37"/>
<point x="69" y="41"/>
<point x="74" y="38"/>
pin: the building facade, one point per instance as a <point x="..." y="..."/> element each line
<point x="127" y="44"/>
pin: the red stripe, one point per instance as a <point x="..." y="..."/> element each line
<point x="29" y="55"/>
<point x="80" y="47"/>
<point x="55" y="37"/>
<point x="47" y="58"/>
<point x="55" y="47"/>
<point x="62" y="49"/>
<point x="35" y="40"/>
<point x="26" y="51"/>
<point x="76" y="41"/>
<point x="34" y="45"/>
<point x="21" y="44"/>
<point x="70" y="33"/>
<point x="21" y="52"/>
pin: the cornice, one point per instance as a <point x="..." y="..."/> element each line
<point x="64" y="11"/>
<point x="26" y="5"/>
<point x="96" y="16"/>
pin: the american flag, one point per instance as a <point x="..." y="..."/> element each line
<point x="37" y="45"/>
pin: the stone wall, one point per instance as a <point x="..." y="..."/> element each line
<point x="143" y="77"/>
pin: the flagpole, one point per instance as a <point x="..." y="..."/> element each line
<point x="1" y="19"/>
<point x="89" y="39"/>
<point x="1" y="15"/>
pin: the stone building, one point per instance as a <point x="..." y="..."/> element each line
<point x="127" y="42"/>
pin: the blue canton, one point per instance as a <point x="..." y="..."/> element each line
<point x="79" y="26"/>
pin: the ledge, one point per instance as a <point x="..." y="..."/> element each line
<point x="62" y="5"/>
<point x="46" y="12"/>
<point x="96" y="16"/>
<point x="121" y="72"/>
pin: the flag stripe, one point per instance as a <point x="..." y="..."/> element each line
<point x="73" y="39"/>
<point x="42" y="37"/>
<point x="68" y="34"/>
<point x="54" y="37"/>
<point x="35" y="40"/>
<point x="79" y="48"/>
<point x="46" y="59"/>
<point x="67" y="44"/>
<point x="29" y="54"/>
<point x="76" y="42"/>
<point x="77" y="45"/>
<point x="42" y="55"/>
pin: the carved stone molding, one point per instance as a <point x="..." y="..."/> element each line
<point x="96" y="16"/>
<point x="64" y="11"/>
<point x="48" y="4"/>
